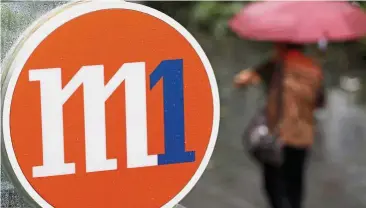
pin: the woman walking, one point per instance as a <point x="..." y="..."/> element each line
<point x="302" y="94"/>
<point x="281" y="136"/>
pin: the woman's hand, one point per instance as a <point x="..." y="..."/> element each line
<point x="246" y="77"/>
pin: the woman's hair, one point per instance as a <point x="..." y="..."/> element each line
<point x="291" y="46"/>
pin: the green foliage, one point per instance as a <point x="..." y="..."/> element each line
<point x="362" y="4"/>
<point x="207" y="16"/>
<point x="179" y="10"/>
<point x="214" y="16"/>
<point x="363" y="41"/>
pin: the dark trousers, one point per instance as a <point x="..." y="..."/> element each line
<point x="284" y="185"/>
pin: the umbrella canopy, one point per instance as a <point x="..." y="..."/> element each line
<point x="300" y="22"/>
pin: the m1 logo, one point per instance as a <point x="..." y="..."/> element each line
<point x="108" y="104"/>
<point x="53" y="97"/>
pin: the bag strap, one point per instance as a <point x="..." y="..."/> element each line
<point x="280" y="73"/>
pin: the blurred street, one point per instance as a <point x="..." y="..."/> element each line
<point x="336" y="177"/>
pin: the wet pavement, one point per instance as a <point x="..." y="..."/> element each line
<point x="336" y="177"/>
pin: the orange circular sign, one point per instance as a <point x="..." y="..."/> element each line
<point x="110" y="105"/>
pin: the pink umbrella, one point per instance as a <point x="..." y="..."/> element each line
<point x="300" y="22"/>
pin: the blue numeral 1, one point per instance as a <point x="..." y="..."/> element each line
<point x="171" y="71"/>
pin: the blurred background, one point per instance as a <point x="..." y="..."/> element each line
<point x="337" y="172"/>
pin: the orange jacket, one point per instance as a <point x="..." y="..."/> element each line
<point x="302" y="82"/>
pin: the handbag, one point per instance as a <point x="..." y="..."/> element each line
<point x="264" y="147"/>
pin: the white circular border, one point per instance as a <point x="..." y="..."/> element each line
<point x="50" y="26"/>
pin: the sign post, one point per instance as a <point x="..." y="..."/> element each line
<point x="108" y="104"/>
